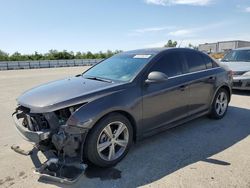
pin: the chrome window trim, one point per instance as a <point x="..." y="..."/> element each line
<point x="194" y="72"/>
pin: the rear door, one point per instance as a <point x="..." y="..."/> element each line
<point x="165" y="102"/>
<point x="201" y="80"/>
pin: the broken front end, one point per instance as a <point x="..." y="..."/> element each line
<point x="56" y="135"/>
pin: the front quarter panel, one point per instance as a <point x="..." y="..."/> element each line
<point x="127" y="99"/>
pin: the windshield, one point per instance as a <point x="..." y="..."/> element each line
<point x="121" y="67"/>
<point x="237" y="55"/>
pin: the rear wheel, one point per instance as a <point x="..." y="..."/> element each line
<point x="220" y="104"/>
<point x="109" y="140"/>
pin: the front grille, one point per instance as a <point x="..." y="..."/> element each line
<point x="34" y="122"/>
<point x="237" y="84"/>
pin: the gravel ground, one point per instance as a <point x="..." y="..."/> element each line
<point x="201" y="153"/>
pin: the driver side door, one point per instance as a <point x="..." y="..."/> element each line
<point x="165" y="102"/>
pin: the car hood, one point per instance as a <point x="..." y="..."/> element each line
<point x="237" y="66"/>
<point x="64" y="93"/>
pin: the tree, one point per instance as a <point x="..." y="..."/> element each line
<point x="171" y="44"/>
<point x="17" y="57"/>
<point x="56" y="55"/>
<point x="78" y="55"/>
<point x="109" y="53"/>
<point x="3" y="56"/>
<point x="51" y="55"/>
<point x="36" y="56"/>
<point x="89" y="55"/>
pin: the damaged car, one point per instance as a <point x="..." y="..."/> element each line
<point x="94" y="117"/>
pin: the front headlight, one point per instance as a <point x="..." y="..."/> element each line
<point x="246" y="74"/>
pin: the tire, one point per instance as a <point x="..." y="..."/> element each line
<point x="220" y="103"/>
<point x="100" y="144"/>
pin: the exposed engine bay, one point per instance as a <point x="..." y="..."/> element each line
<point x="62" y="143"/>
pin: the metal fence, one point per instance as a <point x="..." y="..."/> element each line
<point x="14" y="65"/>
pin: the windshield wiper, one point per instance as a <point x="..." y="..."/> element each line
<point x="99" y="79"/>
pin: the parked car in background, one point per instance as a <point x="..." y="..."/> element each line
<point x="96" y="116"/>
<point x="238" y="61"/>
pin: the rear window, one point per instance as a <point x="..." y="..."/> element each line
<point x="195" y="61"/>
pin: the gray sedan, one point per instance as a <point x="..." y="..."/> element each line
<point x="238" y="61"/>
<point x="95" y="116"/>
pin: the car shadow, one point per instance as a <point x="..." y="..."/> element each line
<point x="160" y="155"/>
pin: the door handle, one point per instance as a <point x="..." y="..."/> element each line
<point x="183" y="87"/>
<point x="211" y="79"/>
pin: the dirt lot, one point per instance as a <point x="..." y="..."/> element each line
<point x="202" y="153"/>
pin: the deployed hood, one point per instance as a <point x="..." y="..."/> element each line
<point x="63" y="93"/>
<point x="237" y="66"/>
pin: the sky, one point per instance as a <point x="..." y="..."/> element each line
<point x="98" y="25"/>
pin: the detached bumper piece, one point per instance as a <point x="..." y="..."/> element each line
<point x="21" y="151"/>
<point x="54" y="168"/>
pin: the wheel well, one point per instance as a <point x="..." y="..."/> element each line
<point x="128" y="116"/>
<point x="228" y="90"/>
<point x="132" y="121"/>
<point x="124" y="113"/>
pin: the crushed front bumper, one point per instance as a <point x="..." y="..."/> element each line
<point x="32" y="136"/>
<point x="62" y="165"/>
<point x="241" y="83"/>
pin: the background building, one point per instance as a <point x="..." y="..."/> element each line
<point x="223" y="46"/>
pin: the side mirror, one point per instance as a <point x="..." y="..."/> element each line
<point x="156" y="77"/>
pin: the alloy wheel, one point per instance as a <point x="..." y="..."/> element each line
<point x="112" y="141"/>
<point x="221" y="103"/>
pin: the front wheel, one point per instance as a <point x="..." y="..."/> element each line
<point x="109" y="140"/>
<point x="220" y="104"/>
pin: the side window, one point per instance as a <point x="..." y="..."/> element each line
<point x="210" y="63"/>
<point x="169" y="64"/>
<point x="195" y="61"/>
<point x="215" y="64"/>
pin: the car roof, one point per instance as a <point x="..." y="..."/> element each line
<point x="243" y="48"/>
<point x="154" y="51"/>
